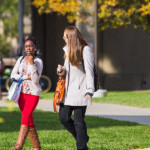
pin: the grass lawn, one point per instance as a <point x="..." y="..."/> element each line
<point x="48" y="95"/>
<point x="105" y="134"/>
<point x="139" y="99"/>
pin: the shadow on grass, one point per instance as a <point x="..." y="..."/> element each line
<point x="45" y="120"/>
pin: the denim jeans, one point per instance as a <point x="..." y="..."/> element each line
<point x="76" y="127"/>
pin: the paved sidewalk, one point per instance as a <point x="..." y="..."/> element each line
<point x="113" y="111"/>
<point x="143" y="149"/>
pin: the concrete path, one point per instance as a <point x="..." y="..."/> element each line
<point x="144" y="149"/>
<point x="113" y="111"/>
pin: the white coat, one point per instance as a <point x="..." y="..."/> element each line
<point x="79" y="80"/>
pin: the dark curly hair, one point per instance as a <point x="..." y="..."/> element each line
<point x="37" y="52"/>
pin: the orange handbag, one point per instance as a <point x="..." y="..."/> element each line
<point x="59" y="93"/>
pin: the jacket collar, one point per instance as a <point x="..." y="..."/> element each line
<point x="65" y="48"/>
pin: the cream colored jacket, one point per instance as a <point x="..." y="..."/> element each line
<point x="79" y="80"/>
<point x="35" y="71"/>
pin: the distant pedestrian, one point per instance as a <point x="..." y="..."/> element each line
<point x="20" y="50"/>
<point x="30" y="67"/>
<point x="79" y="85"/>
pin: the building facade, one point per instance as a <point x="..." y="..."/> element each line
<point x="123" y="54"/>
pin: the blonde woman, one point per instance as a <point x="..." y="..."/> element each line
<point x="79" y="85"/>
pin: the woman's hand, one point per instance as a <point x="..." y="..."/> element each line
<point x="87" y="96"/>
<point x="31" y="59"/>
<point x="60" y="68"/>
<point x="29" y="77"/>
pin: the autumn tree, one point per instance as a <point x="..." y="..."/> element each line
<point x="117" y="13"/>
<point x="111" y="13"/>
<point x="73" y="9"/>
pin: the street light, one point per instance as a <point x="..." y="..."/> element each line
<point x="20" y="21"/>
<point x="95" y="39"/>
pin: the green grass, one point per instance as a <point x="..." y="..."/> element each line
<point x="139" y="99"/>
<point x="105" y="134"/>
<point x="47" y="95"/>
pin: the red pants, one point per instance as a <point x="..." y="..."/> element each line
<point x="27" y="104"/>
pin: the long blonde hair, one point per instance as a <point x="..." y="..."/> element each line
<point x="75" y="44"/>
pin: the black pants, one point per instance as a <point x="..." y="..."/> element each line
<point x="76" y="127"/>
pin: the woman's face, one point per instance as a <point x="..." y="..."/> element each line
<point x="65" y="38"/>
<point x="29" y="48"/>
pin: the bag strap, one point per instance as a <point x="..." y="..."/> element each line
<point x="19" y="80"/>
<point x="22" y="59"/>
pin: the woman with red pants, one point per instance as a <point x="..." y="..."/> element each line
<point x="30" y="68"/>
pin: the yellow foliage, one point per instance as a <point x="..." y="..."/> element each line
<point x="110" y="2"/>
<point x="145" y="9"/>
<point x="69" y="7"/>
<point x="118" y="13"/>
<point x="130" y="11"/>
<point x="104" y="12"/>
<point x="1" y="120"/>
<point x="111" y="13"/>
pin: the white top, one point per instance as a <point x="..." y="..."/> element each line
<point x="79" y="80"/>
<point x="33" y="70"/>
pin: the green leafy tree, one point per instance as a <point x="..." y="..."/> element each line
<point x="9" y="7"/>
<point x="4" y="47"/>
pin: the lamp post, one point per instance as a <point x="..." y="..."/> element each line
<point x="100" y="72"/>
<point x="20" y="21"/>
<point x="95" y="36"/>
